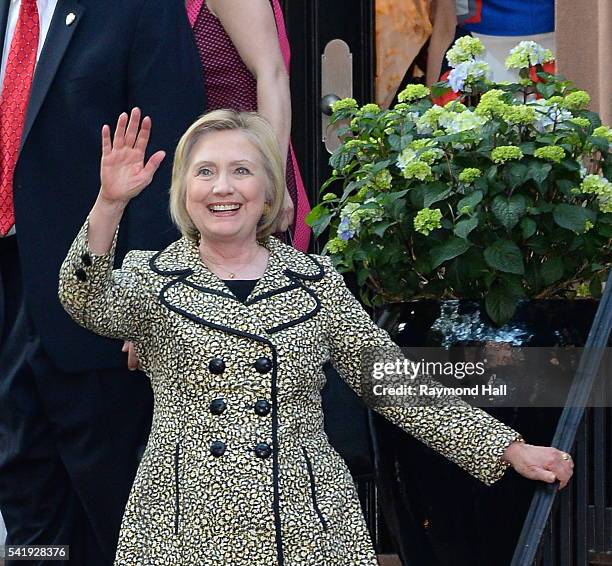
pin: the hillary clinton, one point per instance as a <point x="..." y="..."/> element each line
<point x="233" y="328"/>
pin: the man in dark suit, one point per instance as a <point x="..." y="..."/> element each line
<point x="73" y="420"/>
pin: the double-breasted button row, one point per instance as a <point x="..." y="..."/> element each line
<point x="262" y="364"/>
<point x="262" y="450"/>
<point x="218" y="406"/>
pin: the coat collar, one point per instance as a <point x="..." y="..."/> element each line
<point x="279" y="299"/>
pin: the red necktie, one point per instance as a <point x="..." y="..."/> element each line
<point x="14" y="102"/>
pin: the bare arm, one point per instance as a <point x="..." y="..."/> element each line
<point x="444" y="18"/>
<point x="251" y="26"/>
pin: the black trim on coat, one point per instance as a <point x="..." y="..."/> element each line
<point x="176" y="488"/>
<point x="167" y="272"/>
<point x="274" y="396"/>
<point x="302" y="318"/>
<point x="313" y="491"/>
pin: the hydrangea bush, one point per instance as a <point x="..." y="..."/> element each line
<point x="500" y="195"/>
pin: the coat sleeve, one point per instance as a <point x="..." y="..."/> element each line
<point x="464" y="434"/>
<point x="112" y="303"/>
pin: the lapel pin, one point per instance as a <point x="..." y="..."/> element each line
<point x="70" y="19"/>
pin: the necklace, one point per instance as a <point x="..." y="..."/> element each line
<point x="231" y="274"/>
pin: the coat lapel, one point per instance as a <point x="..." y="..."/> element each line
<point x="58" y="37"/>
<point x="279" y="300"/>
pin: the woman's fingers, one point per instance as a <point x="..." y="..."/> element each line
<point x="153" y="163"/>
<point x="143" y="135"/>
<point x="132" y="127"/>
<point x="106" y="141"/>
<point x="119" y="138"/>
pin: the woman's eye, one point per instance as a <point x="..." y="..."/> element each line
<point x="242" y="171"/>
<point x="205" y="171"/>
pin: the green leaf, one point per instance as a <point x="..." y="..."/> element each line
<point x="500" y="304"/>
<point x="471" y="200"/>
<point x="538" y="171"/>
<point x="319" y="219"/>
<point x="508" y="210"/>
<point x="516" y="174"/>
<point x="595" y="286"/>
<point x="528" y="227"/>
<point x="505" y="255"/>
<point x="527" y="148"/>
<point x="464" y="227"/>
<point x="453" y="247"/>
<point x="362" y="276"/>
<point x="572" y="217"/>
<point x="551" y="270"/>
<point x="434" y="193"/>
<point x="381" y="227"/>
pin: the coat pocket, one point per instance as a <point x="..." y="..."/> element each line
<point x="313" y="490"/>
<point x="176" y="489"/>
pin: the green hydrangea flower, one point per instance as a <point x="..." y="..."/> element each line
<point x="372" y="108"/>
<point x="336" y="245"/>
<point x="464" y="49"/>
<point x="491" y="104"/>
<point x="550" y="153"/>
<point x="519" y="114"/>
<point x="329" y="196"/>
<point x="603" y="132"/>
<point x="455" y="106"/>
<point x="427" y="220"/>
<point x="382" y="180"/>
<point x="588" y="225"/>
<point x="429" y="121"/>
<point x="344" y="104"/>
<point x="582" y="122"/>
<point x="527" y="54"/>
<point x="413" y="92"/>
<point x="430" y="156"/>
<point x="602" y="188"/>
<point x="505" y="153"/>
<point x="417" y="170"/>
<point x="355" y="144"/>
<point x="576" y="100"/>
<point x="469" y="175"/>
<point x="421" y="144"/>
<point x="362" y="192"/>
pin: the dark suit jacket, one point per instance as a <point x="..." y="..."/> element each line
<point x="112" y="56"/>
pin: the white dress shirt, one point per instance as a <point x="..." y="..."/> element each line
<point x="45" y="13"/>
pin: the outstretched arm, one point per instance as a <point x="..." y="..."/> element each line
<point x="468" y="436"/>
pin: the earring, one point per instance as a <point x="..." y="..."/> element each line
<point x="266" y="209"/>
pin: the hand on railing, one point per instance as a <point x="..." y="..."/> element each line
<point x="543" y="463"/>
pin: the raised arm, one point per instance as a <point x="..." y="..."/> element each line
<point x="105" y="301"/>
<point x="468" y="436"/>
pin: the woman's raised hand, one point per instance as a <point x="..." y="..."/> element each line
<point x="123" y="172"/>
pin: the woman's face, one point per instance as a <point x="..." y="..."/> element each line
<point x="226" y="187"/>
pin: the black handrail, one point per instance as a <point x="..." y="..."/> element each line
<point x="565" y="434"/>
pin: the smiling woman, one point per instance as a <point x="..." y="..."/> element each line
<point x="238" y="468"/>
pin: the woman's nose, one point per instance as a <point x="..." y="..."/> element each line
<point x="223" y="185"/>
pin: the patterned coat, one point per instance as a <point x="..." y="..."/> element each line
<point x="238" y="469"/>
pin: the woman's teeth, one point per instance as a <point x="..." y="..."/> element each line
<point x="223" y="207"/>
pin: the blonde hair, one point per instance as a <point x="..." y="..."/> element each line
<point x="260" y="133"/>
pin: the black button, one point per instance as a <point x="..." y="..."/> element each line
<point x="218" y="406"/>
<point x="80" y="274"/>
<point x="263" y="450"/>
<point x="262" y="407"/>
<point x="263" y="364"/>
<point x="217" y="448"/>
<point x="86" y="259"/>
<point x="216" y="366"/>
